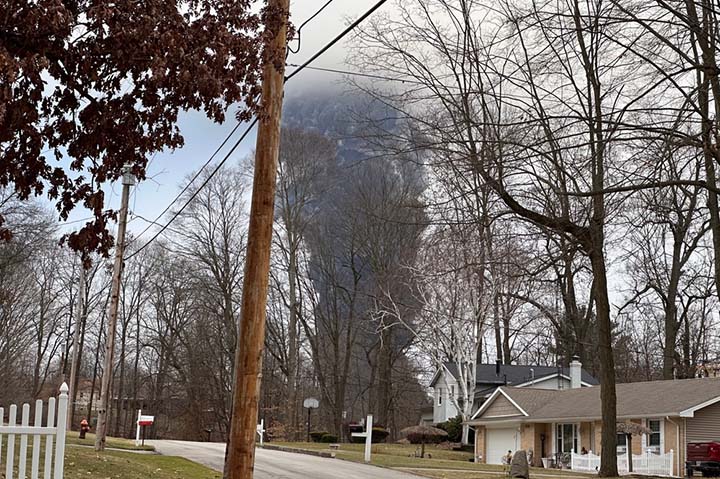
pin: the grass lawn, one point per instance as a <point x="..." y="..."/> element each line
<point x="111" y="442"/>
<point x="397" y="455"/>
<point x="85" y="463"/>
<point x="438" y="463"/>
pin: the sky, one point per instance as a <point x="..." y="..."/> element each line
<point x="168" y="170"/>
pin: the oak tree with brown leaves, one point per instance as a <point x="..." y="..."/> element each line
<point x="96" y="85"/>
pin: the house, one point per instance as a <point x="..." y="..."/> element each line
<point x="553" y="423"/>
<point x="489" y="376"/>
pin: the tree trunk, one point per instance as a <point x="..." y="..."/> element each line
<point x="384" y="397"/>
<point x="121" y="382"/>
<point x="293" y="349"/>
<point x="608" y="397"/>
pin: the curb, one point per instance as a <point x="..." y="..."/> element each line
<point x="325" y="454"/>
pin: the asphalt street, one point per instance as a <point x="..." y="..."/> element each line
<point x="278" y="465"/>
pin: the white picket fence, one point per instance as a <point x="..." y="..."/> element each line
<point x="53" y="431"/>
<point x="648" y="463"/>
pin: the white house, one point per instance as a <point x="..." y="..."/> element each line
<point x="488" y="377"/>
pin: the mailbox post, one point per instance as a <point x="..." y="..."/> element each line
<point x="367" y="435"/>
<point x="261" y="431"/>
<point x="142" y="423"/>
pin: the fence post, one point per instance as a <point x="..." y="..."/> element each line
<point x="49" y="440"/>
<point x="61" y="431"/>
<point x="22" y="460"/>
<point x="35" y="471"/>
<point x="11" y="444"/>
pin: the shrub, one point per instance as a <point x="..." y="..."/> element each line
<point x="419" y="438"/>
<point x="316" y="436"/>
<point x="453" y="427"/>
<point x="349" y="429"/>
<point x="329" y="438"/>
<point x="379" y="435"/>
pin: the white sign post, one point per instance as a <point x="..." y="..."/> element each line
<point x="261" y="430"/>
<point x="367" y="435"/>
<point x="142" y="421"/>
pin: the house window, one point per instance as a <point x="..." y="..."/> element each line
<point x="654" y="439"/>
<point x="452" y="391"/>
<point x="439" y="396"/>
<point x="567" y="437"/>
<point x="621" y="443"/>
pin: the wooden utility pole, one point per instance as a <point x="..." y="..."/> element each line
<point x="79" y="321"/>
<point x="240" y="460"/>
<point x="128" y="180"/>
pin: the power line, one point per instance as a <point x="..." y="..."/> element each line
<point x="195" y="193"/>
<point x="358" y="74"/>
<point x="335" y="40"/>
<point x="192" y="180"/>
<point x="299" y="30"/>
<point x="302" y="67"/>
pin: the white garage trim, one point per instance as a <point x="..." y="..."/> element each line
<point x="500" y="440"/>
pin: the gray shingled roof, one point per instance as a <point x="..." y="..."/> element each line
<point x="634" y="400"/>
<point x="486" y="376"/>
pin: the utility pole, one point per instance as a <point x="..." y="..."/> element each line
<point x="128" y="180"/>
<point x="240" y="457"/>
<point x="79" y="321"/>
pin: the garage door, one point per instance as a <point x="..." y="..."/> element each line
<point x="499" y="442"/>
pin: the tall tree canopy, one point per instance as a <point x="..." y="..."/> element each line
<point x="102" y="84"/>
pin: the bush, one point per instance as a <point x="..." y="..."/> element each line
<point x="329" y="438"/>
<point x="316" y="436"/>
<point x="418" y="439"/>
<point x="379" y="435"/>
<point x="349" y="429"/>
<point x="453" y="427"/>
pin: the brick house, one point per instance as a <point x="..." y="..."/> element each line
<point x="552" y="423"/>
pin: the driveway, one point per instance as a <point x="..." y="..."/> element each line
<point x="278" y="465"/>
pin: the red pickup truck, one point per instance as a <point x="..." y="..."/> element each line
<point x="703" y="457"/>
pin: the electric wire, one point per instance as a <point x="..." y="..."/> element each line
<point x="299" y="30"/>
<point x="302" y="67"/>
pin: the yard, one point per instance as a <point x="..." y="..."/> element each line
<point x="438" y="463"/>
<point x="122" y="460"/>
<point x="81" y="462"/>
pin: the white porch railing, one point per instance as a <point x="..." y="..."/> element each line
<point x="54" y="432"/>
<point x="648" y="463"/>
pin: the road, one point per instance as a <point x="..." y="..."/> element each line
<point x="278" y="465"/>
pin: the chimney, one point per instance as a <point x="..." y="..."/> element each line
<point x="497" y="366"/>
<point x="575" y="373"/>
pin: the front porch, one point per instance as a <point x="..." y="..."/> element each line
<point x="576" y="446"/>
